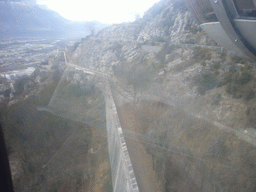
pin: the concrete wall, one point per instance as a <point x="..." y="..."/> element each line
<point x="123" y="178"/>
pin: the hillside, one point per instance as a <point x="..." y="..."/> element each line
<point x="50" y="147"/>
<point x="186" y="105"/>
<point x="180" y="60"/>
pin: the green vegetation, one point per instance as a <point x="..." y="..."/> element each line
<point x="75" y="90"/>
<point x="175" y="155"/>
<point x="251" y="116"/>
<point x="139" y="79"/>
<point x="31" y="136"/>
<point x="19" y="84"/>
<point x="77" y="44"/>
<point x="160" y="56"/>
<point x="239" y="82"/>
<point x="237" y="59"/>
<point x="47" y="145"/>
<point x="45" y="62"/>
<point x="216" y="99"/>
<point x="204" y="82"/>
<point x="196" y="28"/>
<point x="138" y="75"/>
<point x="159" y="39"/>
<point x="223" y="55"/>
<point x="184" y="65"/>
<point x="202" y="54"/>
<point x="216" y="65"/>
<point x="190" y="41"/>
<point x="249" y="95"/>
<point x="46" y="90"/>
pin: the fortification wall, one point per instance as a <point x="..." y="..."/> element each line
<point x="123" y="178"/>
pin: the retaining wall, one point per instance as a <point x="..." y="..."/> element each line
<point x="123" y="178"/>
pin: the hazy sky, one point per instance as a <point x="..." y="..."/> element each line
<point x="105" y="11"/>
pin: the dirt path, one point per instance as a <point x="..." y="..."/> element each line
<point x="141" y="160"/>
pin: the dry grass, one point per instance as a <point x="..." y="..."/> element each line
<point x="190" y="154"/>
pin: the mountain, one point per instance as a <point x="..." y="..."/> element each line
<point x="29" y="19"/>
<point x="191" y="68"/>
<point x="190" y="105"/>
<point x="165" y="56"/>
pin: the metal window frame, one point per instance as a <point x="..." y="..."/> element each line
<point x="225" y="17"/>
<point x="236" y="9"/>
<point x="232" y="9"/>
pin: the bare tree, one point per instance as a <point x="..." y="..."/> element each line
<point x="137" y="16"/>
<point x="91" y="28"/>
<point x="139" y="78"/>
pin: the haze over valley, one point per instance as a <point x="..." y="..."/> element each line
<point x="84" y="104"/>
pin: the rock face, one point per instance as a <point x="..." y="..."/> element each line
<point x="166" y="55"/>
<point x="173" y="50"/>
<point x="166" y="22"/>
<point x="202" y="139"/>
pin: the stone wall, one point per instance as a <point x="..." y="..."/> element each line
<point x="123" y="178"/>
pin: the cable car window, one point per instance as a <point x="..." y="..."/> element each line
<point x="246" y="8"/>
<point x="203" y="10"/>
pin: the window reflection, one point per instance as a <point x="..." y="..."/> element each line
<point x="246" y="8"/>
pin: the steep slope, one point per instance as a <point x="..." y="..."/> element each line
<point x="181" y="61"/>
<point x="207" y="138"/>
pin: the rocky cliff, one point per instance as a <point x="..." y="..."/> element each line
<point x="181" y="62"/>
<point x="199" y="137"/>
<point x="206" y="140"/>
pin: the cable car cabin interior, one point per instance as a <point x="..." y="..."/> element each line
<point x="204" y="12"/>
<point x="231" y="23"/>
<point x="246" y="9"/>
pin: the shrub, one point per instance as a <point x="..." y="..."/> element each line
<point x="19" y="83"/>
<point x="202" y="53"/>
<point x="204" y="82"/>
<point x="77" y="44"/>
<point x="251" y="115"/>
<point x="223" y="56"/>
<point x="244" y="78"/>
<point x="45" y="62"/>
<point x="165" y="50"/>
<point x="233" y="76"/>
<point x="195" y="29"/>
<point x="249" y="95"/>
<point x="203" y="63"/>
<point x="233" y="90"/>
<point x="183" y="65"/>
<point x="189" y="41"/>
<point x="227" y="78"/>
<point x="216" y="99"/>
<point x="237" y="59"/>
<point x="159" y="39"/>
<point x="216" y="65"/>
<point x="238" y="84"/>
<point x="7" y="93"/>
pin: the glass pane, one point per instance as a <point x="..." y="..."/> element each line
<point x="246" y="8"/>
